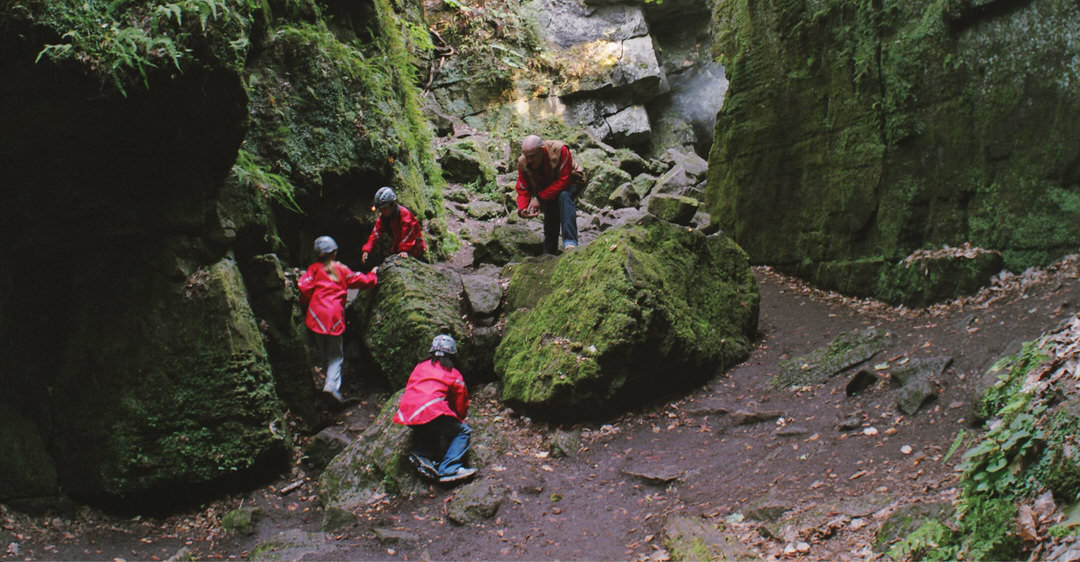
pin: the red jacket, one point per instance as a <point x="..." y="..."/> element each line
<point x="432" y="391"/>
<point x="326" y="309"/>
<point x="404" y="230"/>
<point x="552" y="178"/>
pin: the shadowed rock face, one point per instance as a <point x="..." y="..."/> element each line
<point x="128" y="339"/>
<point x="134" y="353"/>
<point x="915" y="127"/>
<point x="641" y="310"/>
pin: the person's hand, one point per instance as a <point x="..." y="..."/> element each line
<point x="363" y="257"/>
<point x="375" y="269"/>
<point x="533" y="209"/>
<point x="403" y="254"/>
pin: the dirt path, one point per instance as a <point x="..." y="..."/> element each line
<point x="693" y="454"/>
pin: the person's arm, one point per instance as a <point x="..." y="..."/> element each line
<point x="566" y="166"/>
<point x="527" y="203"/>
<point x="370" y="244"/>
<point x="306" y="283"/>
<point x="461" y="396"/>
<point x="359" y="279"/>
<point x="412" y="237"/>
<point x="523" y="195"/>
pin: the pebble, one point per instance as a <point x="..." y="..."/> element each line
<point x="870" y="431"/>
<point x="906" y="449"/>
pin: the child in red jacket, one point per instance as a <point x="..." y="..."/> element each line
<point x="324" y="286"/>
<point x="435" y="404"/>
<point x="397" y="222"/>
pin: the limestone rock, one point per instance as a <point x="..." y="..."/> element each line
<point x="914" y="179"/>
<point x="604" y="179"/>
<point x="624" y="196"/>
<point x="508" y="242"/>
<point x="629" y="127"/>
<point x="673" y="208"/>
<point x="475" y="501"/>
<point x="414" y="301"/>
<point x="29" y="471"/>
<point x="693" y="538"/>
<point x="326" y="445"/>
<point x="638" y="301"/>
<point x="370" y="468"/>
<point x="193" y="402"/>
<point x="844" y="352"/>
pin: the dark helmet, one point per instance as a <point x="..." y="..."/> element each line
<point x="443" y="345"/>
<point x="385" y="196"/>
<point x="325" y="245"/>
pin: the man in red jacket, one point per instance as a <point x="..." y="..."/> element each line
<point x="548" y="180"/>
<point x="398" y="222"/>
<point x="435" y="404"/>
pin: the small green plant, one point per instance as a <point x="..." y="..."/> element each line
<point x="125" y="41"/>
<point x="249" y="173"/>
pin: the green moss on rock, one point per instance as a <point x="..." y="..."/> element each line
<point x="851" y="137"/>
<point x="413" y="303"/>
<point x="192" y="399"/>
<point x="640" y="310"/>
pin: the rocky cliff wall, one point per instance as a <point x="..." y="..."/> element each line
<point x="856" y="132"/>
<point x="162" y="164"/>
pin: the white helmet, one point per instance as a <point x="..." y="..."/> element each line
<point x="325" y="245"/>
<point x="443" y="345"/>
<point x="385" y="196"/>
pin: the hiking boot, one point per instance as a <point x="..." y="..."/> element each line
<point x="569" y="246"/>
<point x="425" y="466"/>
<point x="461" y="474"/>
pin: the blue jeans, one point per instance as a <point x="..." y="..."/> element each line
<point x="428" y="440"/>
<point x="560" y="215"/>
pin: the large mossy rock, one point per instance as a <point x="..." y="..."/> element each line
<point x="373" y="466"/>
<point x="192" y="400"/>
<point x="641" y="310"/>
<point x="413" y="302"/>
<point x="27" y="471"/>
<point x="851" y="137"/>
<point x="376" y="464"/>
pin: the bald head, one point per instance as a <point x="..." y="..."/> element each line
<point x="532" y="148"/>
<point x="531" y="143"/>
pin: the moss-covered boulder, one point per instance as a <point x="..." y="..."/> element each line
<point x="191" y="402"/>
<point x="694" y="538"/>
<point x="276" y="303"/>
<point x="414" y="302"/>
<point x="844" y="353"/>
<point x="508" y="242"/>
<point x="27" y="471"/>
<point x="376" y="464"/>
<point x="467" y="161"/>
<point x="676" y="209"/>
<point x="642" y="309"/>
<point x="604" y="179"/>
<point x="854" y="137"/>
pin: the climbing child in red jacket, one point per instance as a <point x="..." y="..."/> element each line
<point x="435" y="404"/>
<point x="324" y="286"/>
<point x="397" y="222"/>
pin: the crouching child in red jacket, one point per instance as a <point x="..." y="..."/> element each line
<point x="435" y="404"/>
